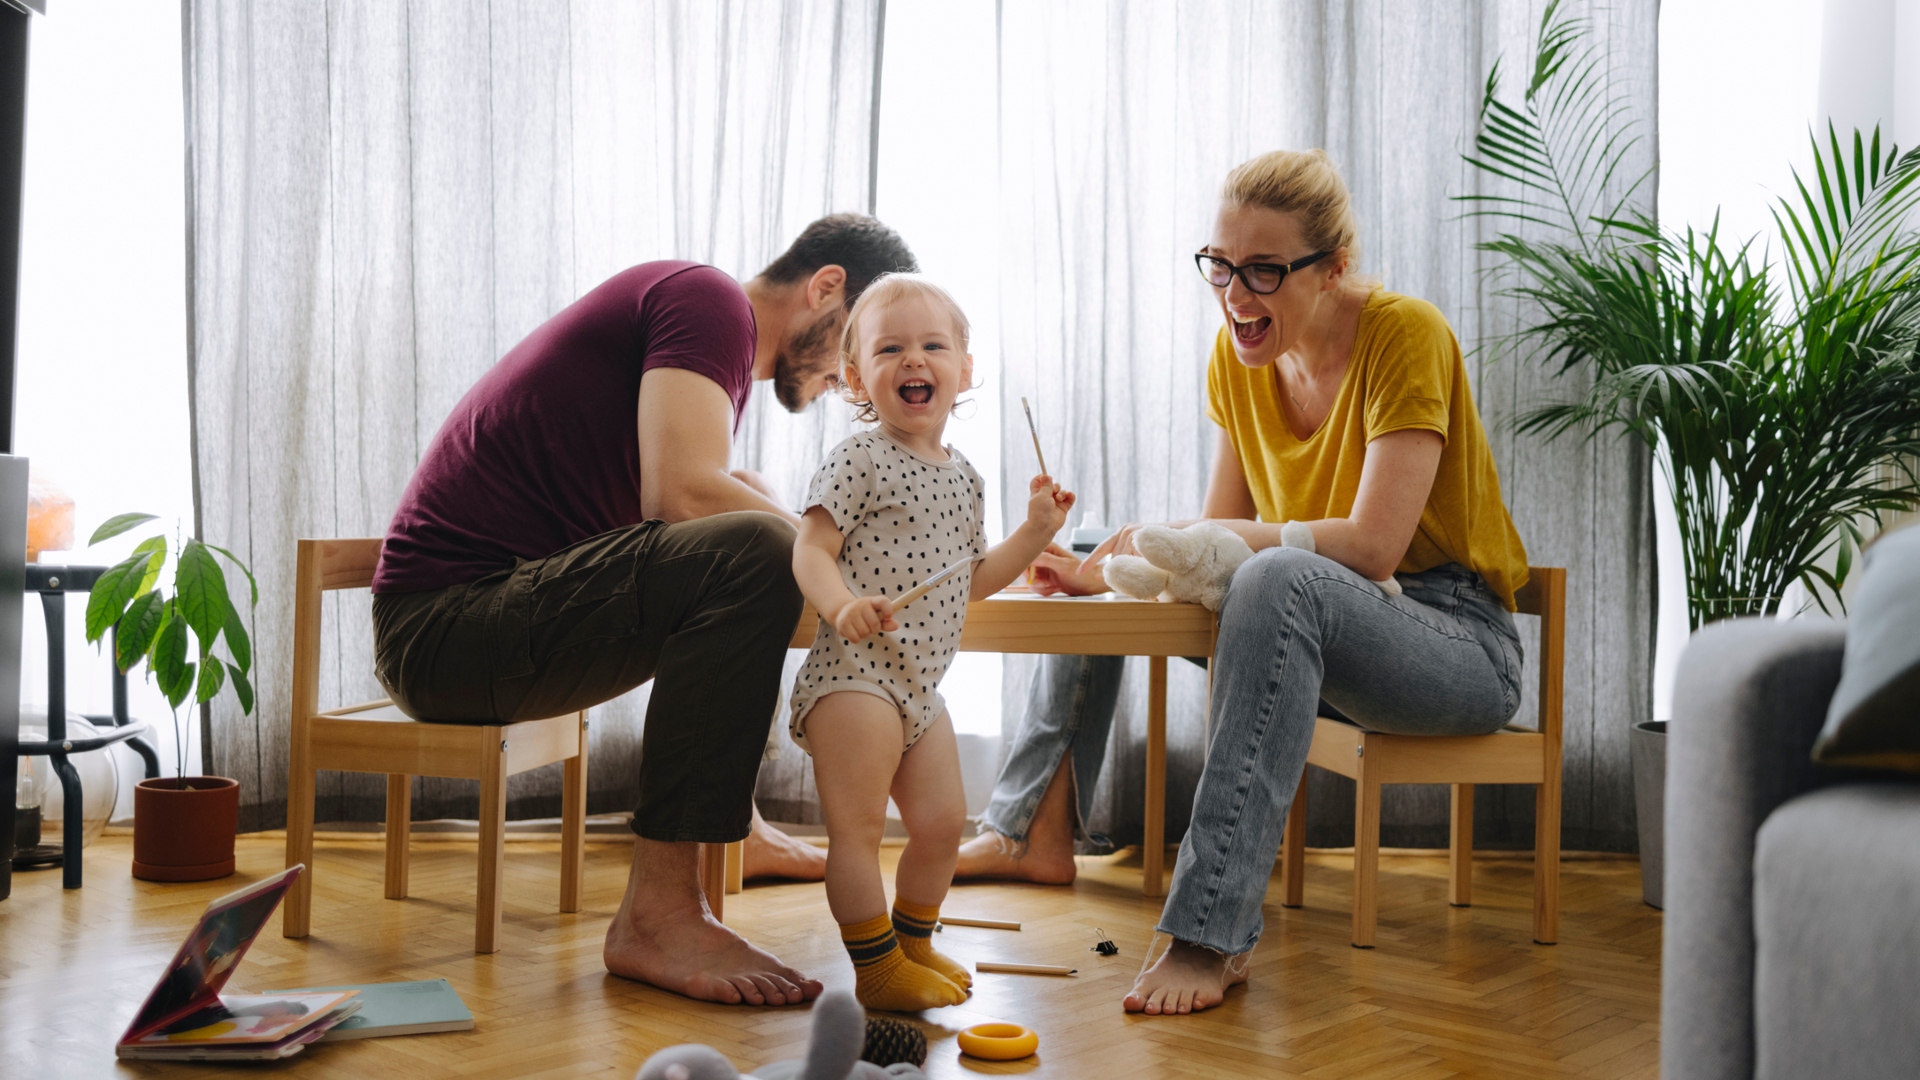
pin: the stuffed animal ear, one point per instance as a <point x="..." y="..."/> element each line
<point x="1136" y="577"/>
<point x="688" y="1061"/>
<point x="1173" y="550"/>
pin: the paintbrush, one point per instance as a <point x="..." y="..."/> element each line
<point x="1035" y="432"/>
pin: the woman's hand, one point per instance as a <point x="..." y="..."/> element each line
<point x="863" y="616"/>
<point x="1121" y="542"/>
<point x="1047" y="505"/>
<point x="1056" y="571"/>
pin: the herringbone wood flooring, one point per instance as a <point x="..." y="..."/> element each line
<point x="1448" y="992"/>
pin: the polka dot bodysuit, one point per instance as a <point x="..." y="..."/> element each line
<point x="904" y="519"/>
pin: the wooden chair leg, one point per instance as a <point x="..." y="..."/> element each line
<point x="573" y="824"/>
<point x="399" y="830"/>
<point x="713" y="878"/>
<point x="1153" y="842"/>
<point x="493" y="840"/>
<point x="736" y="866"/>
<point x="1460" y="849"/>
<point x="1366" y="858"/>
<point x="297" y="908"/>
<point x="1546" y="860"/>
<point x="1293" y="849"/>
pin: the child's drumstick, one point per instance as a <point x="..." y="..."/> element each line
<point x="928" y="585"/>
<point x="1024" y="969"/>
<point x="1035" y="432"/>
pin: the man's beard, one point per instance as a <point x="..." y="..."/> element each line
<point x="803" y="358"/>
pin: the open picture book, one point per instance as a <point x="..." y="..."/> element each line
<point x="186" y="1018"/>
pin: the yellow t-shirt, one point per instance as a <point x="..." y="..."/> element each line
<point x="1406" y="372"/>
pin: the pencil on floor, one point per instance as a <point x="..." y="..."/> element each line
<point x="991" y="924"/>
<point x="1024" y="969"/>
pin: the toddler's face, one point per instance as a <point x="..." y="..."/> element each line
<point x="910" y="363"/>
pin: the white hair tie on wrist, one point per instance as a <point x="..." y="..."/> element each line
<point x="1298" y="534"/>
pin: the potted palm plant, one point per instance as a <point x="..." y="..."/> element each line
<point x="1777" y="388"/>
<point x="183" y="826"/>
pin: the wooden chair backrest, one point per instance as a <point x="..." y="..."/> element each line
<point x="320" y="566"/>
<point x="1545" y="596"/>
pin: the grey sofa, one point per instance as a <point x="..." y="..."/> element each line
<point x="1792" y="938"/>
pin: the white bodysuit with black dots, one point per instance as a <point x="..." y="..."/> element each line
<point x="904" y="519"/>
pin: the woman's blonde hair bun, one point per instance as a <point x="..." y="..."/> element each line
<point x="1304" y="183"/>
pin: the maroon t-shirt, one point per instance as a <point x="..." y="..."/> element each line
<point x="544" y="451"/>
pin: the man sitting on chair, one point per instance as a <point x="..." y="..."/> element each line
<point x="573" y="529"/>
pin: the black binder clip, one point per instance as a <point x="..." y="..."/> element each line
<point x="1105" y="947"/>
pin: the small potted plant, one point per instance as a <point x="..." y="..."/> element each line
<point x="183" y="826"/>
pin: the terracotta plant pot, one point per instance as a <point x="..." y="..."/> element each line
<point x="183" y="829"/>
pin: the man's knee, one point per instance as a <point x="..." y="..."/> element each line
<point x="761" y="543"/>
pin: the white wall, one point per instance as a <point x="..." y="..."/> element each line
<point x="102" y="390"/>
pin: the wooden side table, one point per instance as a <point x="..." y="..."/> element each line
<point x="1109" y="625"/>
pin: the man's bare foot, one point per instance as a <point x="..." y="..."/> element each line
<point x="771" y="853"/>
<point x="991" y="855"/>
<point x="665" y="936"/>
<point x="1184" y="979"/>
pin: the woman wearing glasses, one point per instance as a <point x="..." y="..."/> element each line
<point x="1352" y="460"/>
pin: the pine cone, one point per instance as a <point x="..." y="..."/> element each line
<point x="892" y="1041"/>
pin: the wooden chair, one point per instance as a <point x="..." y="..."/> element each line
<point x="1513" y="756"/>
<point x="376" y="737"/>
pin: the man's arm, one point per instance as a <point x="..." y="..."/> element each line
<point x="686" y="434"/>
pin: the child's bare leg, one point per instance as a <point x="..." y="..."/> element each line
<point x="856" y="742"/>
<point x="933" y="806"/>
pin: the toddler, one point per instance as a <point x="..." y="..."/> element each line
<point x="888" y="509"/>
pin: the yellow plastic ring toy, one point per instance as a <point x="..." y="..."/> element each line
<point x="998" y="1042"/>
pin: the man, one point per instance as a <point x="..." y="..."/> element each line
<point x="573" y="530"/>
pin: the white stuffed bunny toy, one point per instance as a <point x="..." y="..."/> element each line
<point x="1196" y="564"/>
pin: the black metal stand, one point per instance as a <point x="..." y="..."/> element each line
<point x="53" y="583"/>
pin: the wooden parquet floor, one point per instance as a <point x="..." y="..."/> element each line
<point x="1447" y="993"/>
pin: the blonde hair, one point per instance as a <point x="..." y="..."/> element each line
<point x="1303" y="183"/>
<point x="886" y="289"/>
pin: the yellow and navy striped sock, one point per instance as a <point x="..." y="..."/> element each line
<point x="884" y="978"/>
<point x="914" y="924"/>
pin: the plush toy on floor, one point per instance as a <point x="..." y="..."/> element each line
<point x="839" y="1032"/>
<point x="1196" y="564"/>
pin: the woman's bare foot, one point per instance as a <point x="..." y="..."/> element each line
<point x="991" y="855"/>
<point x="664" y="935"/>
<point x="771" y="853"/>
<point x="1184" y="979"/>
<point x="1046" y="857"/>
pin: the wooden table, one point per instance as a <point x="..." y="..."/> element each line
<point x="1109" y="625"/>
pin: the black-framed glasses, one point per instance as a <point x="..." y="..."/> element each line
<point x="1261" y="278"/>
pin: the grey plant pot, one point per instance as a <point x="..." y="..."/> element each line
<point x="1648" y="744"/>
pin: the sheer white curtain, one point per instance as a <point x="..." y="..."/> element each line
<point x="1118" y="122"/>
<point x="384" y="197"/>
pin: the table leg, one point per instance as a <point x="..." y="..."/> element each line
<point x="1154" y="842"/>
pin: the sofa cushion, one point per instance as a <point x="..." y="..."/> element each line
<point x="1874" y="719"/>
<point x="1836" y="919"/>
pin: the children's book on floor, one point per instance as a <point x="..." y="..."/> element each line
<point x="186" y="1018"/>
<point x="398" y="1008"/>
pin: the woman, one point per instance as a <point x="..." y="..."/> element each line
<point x="1351" y="459"/>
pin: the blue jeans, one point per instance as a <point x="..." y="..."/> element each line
<point x="1298" y="633"/>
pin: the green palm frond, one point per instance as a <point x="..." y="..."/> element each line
<point x="1556" y="155"/>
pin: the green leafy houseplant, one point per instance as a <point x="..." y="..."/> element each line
<point x="1781" y="399"/>
<point x="174" y="635"/>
